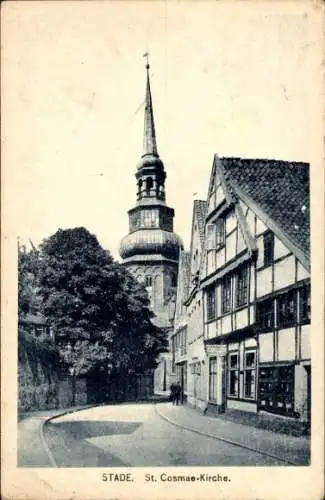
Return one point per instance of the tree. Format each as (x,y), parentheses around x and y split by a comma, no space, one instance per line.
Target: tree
(28,298)
(99,312)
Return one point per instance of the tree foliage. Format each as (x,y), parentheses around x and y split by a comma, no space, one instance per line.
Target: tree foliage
(99,312)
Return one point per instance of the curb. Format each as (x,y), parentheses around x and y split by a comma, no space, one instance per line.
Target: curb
(219,438)
(45,422)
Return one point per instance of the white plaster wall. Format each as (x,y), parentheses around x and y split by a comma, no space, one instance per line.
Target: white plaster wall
(305,342)
(242,318)
(226,324)
(220,196)
(260,252)
(250,219)
(264,282)
(211,261)
(260,226)
(252,283)
(221,260)
(302,274)
(211,330)
(231,246)
(231,222)
(250,343)
(301,391)
(241,245)
(284,272)
(252,315)
(286,344)
(266,347)
(241,405)
(218,299)
(280,250)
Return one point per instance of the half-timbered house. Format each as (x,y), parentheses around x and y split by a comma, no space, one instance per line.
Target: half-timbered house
(256,287)
(196,356)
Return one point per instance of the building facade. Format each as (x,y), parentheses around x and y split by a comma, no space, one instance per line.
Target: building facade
(255,290)
(151,249)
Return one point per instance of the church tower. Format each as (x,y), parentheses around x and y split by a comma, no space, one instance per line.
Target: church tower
(151,249)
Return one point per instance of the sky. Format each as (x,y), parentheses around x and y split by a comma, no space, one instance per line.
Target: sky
(225,81)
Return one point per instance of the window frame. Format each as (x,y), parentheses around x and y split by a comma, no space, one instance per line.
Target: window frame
(211,303)
(250,369)
(213,379)
(226,294)
(233,370)
(242,286)
(286,302)
(305,304)
(276,394)
(261,314)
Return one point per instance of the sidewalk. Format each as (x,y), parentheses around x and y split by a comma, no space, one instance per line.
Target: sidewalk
(31,451)
(295,450)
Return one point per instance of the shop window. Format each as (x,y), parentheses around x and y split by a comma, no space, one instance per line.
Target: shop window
(287,309)
(233,374)
(250,374)
(265,314)
(211,303)
(268,248)
(226,294)
(305,305)
(276,389)
(213,379)
(242,286)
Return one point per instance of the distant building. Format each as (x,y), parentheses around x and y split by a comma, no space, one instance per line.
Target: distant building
(151,249)
(254,286)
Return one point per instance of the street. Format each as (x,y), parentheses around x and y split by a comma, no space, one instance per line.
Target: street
(136,435)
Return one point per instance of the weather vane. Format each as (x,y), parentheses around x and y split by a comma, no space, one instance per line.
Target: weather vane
(146,55)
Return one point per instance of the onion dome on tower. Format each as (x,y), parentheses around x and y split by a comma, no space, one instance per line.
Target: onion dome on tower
(151,237)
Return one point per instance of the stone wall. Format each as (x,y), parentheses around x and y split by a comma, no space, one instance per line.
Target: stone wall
(41,384)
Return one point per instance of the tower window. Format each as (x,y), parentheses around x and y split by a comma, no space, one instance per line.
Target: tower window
(149,184)
(174,280)
(148,281)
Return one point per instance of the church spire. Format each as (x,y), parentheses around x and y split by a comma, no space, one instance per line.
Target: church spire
(149,133)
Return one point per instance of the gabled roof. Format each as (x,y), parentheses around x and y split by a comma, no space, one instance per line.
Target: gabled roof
(280,189)
(185,270)
(199,208)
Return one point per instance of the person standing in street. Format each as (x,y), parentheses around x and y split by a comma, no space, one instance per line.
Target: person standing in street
(172,396)
(178,392)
